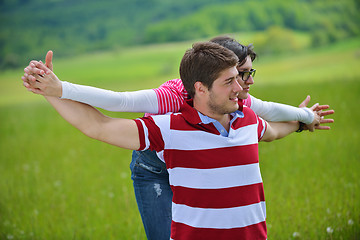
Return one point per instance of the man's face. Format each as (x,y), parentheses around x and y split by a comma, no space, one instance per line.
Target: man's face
(247,66)
(223,96)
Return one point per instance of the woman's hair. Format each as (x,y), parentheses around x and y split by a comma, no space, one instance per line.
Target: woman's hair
(240,50)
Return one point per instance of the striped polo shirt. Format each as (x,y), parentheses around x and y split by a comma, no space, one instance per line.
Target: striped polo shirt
(216,181)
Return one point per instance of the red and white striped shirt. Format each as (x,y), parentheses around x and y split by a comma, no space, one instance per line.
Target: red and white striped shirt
(216,181)
(172,94)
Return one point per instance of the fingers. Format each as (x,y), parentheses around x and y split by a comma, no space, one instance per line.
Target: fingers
(37,82)
(31,86)
(37,67)
(325,113)
(315,106)
(33,69)
(36,91)
(32,80)
(41,65)
(321,107)
(27,85)
(305,102)
(29,78)
(319,119)
(327,121)
(323,121)
(322,127)
(48,60)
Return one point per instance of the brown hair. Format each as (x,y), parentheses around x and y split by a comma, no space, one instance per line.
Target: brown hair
(203,63)
(240,50)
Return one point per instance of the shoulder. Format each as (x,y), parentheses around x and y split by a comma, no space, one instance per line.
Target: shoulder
(248,118)
(248,112)
(173,83)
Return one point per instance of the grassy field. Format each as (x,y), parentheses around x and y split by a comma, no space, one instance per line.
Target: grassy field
(57,183)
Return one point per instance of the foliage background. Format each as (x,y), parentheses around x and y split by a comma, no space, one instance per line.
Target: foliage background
(30,27)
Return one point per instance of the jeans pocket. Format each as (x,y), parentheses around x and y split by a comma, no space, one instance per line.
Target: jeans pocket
(147,165)
(153,169)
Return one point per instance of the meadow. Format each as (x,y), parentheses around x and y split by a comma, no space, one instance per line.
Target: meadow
(56,183)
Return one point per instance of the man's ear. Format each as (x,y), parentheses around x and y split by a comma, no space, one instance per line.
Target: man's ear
(200,88)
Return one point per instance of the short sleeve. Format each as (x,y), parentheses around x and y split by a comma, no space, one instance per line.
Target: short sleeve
(262,125)
(149,134)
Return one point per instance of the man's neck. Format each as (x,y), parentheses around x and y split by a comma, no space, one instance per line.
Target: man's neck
(223,119)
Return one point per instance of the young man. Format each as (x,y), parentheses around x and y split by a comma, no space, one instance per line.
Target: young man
(155,209)
(210,149)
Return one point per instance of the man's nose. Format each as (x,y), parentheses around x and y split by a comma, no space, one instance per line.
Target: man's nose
(237,87)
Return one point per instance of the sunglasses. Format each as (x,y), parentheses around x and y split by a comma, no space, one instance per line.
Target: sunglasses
(246,74)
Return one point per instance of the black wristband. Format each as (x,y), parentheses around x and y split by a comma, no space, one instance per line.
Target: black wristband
(301,127)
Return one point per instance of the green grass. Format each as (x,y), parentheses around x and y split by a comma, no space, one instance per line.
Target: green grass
(311,179)
(57,183)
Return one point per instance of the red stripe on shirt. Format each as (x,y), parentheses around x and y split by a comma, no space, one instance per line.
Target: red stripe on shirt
(219,198)
(243,122)
(229,156)
(155,137)
(182,125)
(141,134)
(181,231)
(262,126)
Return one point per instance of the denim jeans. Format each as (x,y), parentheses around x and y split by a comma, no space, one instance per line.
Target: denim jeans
(153,193)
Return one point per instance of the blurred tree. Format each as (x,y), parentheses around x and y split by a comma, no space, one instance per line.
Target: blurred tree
(73,27)
(276,40)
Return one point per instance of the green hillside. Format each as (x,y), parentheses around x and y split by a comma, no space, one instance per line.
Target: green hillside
(28,28)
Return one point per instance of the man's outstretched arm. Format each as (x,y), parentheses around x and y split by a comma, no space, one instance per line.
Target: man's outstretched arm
(115,131)
(277,130)
(119,132)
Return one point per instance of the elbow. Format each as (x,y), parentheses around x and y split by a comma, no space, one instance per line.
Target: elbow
(270,138)
(270,135)
(90,134)
(90,131)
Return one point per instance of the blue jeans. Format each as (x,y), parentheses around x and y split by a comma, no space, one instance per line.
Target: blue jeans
(153,193)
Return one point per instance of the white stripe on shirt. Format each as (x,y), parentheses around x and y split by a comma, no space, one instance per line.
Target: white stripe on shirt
(180,139)
(219,218)
(233,176)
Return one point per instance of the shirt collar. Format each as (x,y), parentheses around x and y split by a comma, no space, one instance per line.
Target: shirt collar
(206,120)
(195,117)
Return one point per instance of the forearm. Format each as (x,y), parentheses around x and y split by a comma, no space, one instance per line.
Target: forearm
(137,101)
(115,131)
(277,112)
(80,115)
(277,130)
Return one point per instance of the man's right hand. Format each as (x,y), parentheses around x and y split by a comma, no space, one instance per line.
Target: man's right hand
(43,86)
